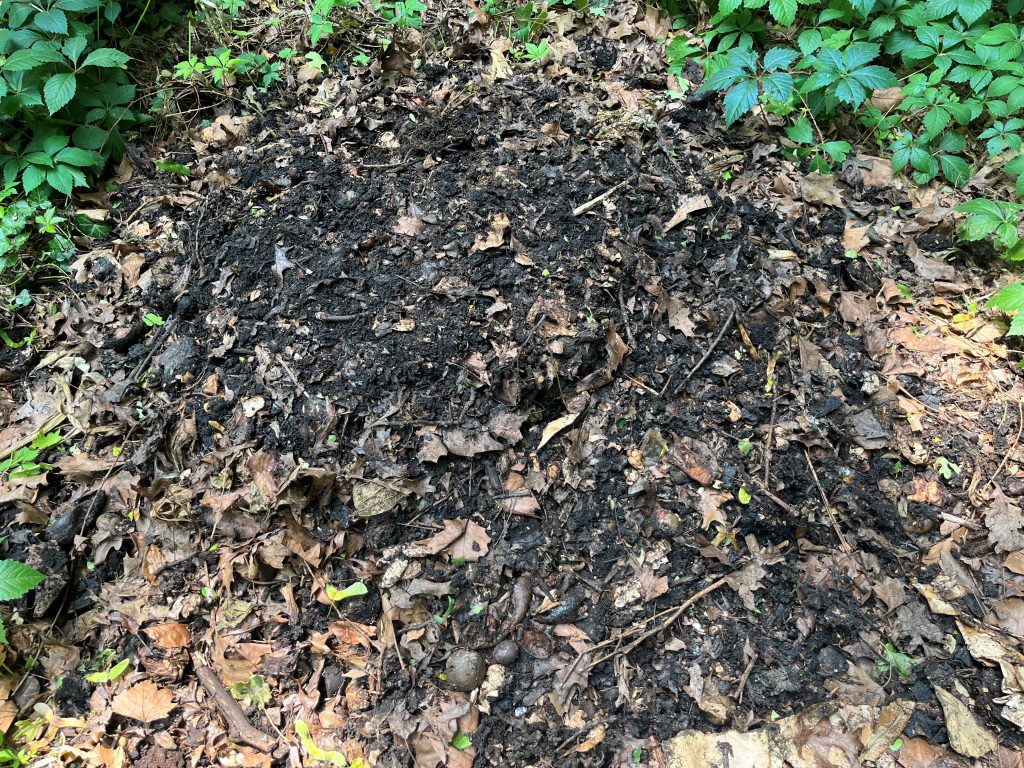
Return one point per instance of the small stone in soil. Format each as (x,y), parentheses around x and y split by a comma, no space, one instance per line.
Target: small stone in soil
(465,670)
(505,652)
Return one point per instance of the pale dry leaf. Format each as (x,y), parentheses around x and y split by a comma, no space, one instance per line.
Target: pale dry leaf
(887,99)
(519,500)
(462,442)
(855,238)
(965,735)
(495,235)
(463,539)
(710,506)
(375,498)
(688,205)
(1005,524)
(556,426)
(652,586)
(746,581)
(145,702)
(409,225)
(820,188)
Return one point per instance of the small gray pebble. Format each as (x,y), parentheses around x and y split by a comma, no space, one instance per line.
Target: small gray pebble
(465,670)
(505,652)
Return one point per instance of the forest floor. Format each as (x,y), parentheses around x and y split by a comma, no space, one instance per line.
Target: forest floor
(475,413)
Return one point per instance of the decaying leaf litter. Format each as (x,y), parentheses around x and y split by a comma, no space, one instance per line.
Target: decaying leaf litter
(509,415)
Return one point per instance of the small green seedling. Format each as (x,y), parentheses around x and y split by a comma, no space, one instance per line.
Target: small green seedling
(169,166)
(745,446)
(743,495)
(355,589)
(253,691)
(16,579)
(22,463)
(152,319)
(461,741)
(109,675)
(894,661)
(946,468)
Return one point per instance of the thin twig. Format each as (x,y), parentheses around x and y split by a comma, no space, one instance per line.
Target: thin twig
(625,319)
(769,442)
(715,343)
(828,507)
(1013,448)
(238,724)
(789,509)
(581,209)
(743,679)
(672,615)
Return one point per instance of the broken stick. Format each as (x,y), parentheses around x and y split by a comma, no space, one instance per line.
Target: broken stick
(239,726)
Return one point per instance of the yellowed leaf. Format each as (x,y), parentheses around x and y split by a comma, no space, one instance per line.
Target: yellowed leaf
(556,426)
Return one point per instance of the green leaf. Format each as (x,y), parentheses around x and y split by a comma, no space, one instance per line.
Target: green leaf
(461,741)
(849,91)
(83,158)
(874,77)
(740,99)
(778,86)
(1016,326)
(110,675)
(801,132)
(3,634)
(61,179)
(955,169)
(972,10)
(58,90)
(30,58)
(783,11)
(336,595)
(16,579)
(779,58)
(743,495)
(106,57)
(53,21)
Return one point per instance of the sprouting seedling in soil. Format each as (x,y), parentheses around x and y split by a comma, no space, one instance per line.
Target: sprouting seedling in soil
(355,589)
(22,463)
(109,675)
(946,468)
(152,319)
(442,618)
(16,579)
(745,446)
(894,661)
(743,495)
(169,166)
(252,691)
(461,741)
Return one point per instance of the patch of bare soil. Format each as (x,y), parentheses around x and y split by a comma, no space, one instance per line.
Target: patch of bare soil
(588,395)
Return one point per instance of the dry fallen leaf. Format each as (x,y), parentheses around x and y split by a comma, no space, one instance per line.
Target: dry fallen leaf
(145,702)
(495,235)
(556,426)
(965,735)
(409,225)
(464,540)
(372,498)
(1005,524)
(462,442)
(171,635)
(687,206)
(710,505)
